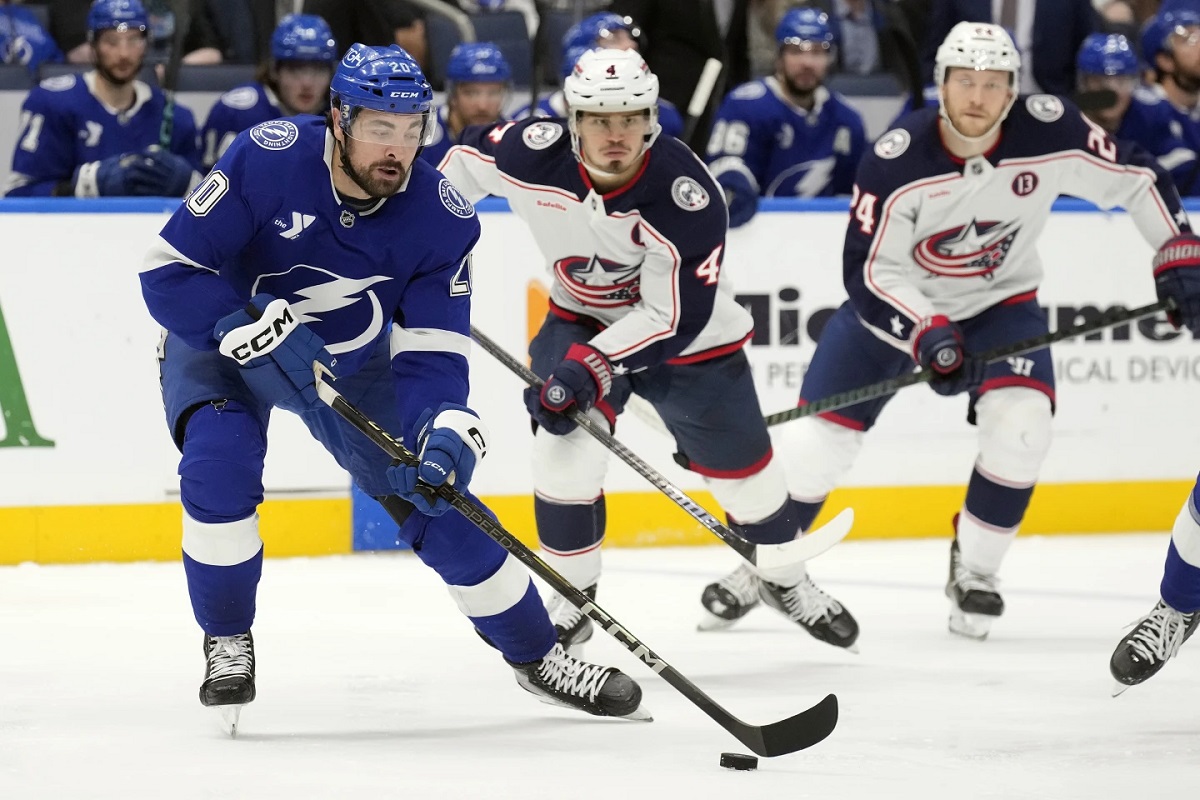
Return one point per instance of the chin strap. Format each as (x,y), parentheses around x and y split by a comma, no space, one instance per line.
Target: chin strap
(983,136)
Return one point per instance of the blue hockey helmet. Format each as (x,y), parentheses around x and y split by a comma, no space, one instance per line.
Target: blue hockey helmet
(303,37)
(122,15)
(1106,54)
(593,30)
(1158,29)
(478,61)
(381,79)
(800,25)
(570,57)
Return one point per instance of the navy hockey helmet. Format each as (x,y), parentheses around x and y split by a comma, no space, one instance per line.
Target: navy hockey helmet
(592,31)
(303,37)
(803,25)
(1107,54)
(123,15)
(478,61)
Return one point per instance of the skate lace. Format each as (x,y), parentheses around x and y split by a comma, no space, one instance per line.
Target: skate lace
(968,581)
(742,583)
(1160,633)
(562,613)
(229,656)
(572,676)
(807,603)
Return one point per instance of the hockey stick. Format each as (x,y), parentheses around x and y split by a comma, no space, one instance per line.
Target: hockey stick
(775,739)
(1114,316)
(701,96)
(183,20)
(767,556)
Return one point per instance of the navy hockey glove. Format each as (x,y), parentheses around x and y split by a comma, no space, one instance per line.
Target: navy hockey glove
(449,446)
(938,346)
(275,351)
(582,378)
(1177,277)
(160,173)
(109,177)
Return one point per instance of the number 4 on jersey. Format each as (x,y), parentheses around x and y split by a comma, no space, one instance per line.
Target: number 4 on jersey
(710,269)
(862,206)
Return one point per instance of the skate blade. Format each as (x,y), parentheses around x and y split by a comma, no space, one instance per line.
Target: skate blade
(639,714)
(970,626)
(1119,688)
(711,622)
(229,717)
(851,649)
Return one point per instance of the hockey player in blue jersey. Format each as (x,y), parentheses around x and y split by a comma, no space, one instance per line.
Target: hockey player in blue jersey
(97,134)
(941,263)
(294,81)
(328,240)
(786,135)
(633,230)
(23,40)
(1107,61)
(478,83)
(608,30)
(1171,46)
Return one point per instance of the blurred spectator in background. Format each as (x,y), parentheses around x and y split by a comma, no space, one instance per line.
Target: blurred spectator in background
(680,36)
(375,22)
(858,23)
(554,104)
(1107,61)
(100,133)
(1047,32)
(294,80)
(1171,46)
(526,7)
(787,135)
(23,40)
(69,27)
(478,81)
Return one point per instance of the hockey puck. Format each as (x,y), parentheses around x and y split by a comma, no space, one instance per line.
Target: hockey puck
(738,761)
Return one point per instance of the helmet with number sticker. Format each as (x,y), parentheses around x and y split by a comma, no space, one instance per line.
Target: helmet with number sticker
(122,15)
(977,46)
(303,37)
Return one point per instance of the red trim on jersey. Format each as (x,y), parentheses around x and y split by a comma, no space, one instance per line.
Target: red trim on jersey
(675,312)
(712,352)
(570,316)
(1023,297)
(1017,380)
(587,178)
(960,161)
(733,474)
(568,553)
(836,418)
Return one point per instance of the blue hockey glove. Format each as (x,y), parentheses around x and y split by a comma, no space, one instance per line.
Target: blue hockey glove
(742,207)
(938,346)
(275,351)
(449,445)
(1177,277)
(109,177)
(160,173)
(582,378)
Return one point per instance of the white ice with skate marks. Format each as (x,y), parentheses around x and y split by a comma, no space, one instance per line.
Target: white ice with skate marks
(372,685)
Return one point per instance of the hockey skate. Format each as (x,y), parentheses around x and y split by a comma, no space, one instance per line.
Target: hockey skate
(571,625)
(729,599)
(560,679)
(974,602)
(1154,639)
(228,676)
(807,605)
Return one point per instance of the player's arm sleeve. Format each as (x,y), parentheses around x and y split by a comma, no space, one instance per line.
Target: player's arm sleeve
(678,287)
(184,279)
(472,165)
(739,148)
(1120,174)
(43,163)
(431,338)
(876,257)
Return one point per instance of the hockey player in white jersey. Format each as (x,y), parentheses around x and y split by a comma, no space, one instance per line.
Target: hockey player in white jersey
(633,230)
(940,263)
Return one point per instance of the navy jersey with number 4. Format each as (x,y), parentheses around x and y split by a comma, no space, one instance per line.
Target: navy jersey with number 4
(64,125)
(265,221)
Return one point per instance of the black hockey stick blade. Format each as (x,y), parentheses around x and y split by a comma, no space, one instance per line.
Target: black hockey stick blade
(1114,316)
(778,738)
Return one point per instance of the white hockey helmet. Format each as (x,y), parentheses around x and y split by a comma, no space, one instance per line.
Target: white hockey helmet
(607,80)
(978,46)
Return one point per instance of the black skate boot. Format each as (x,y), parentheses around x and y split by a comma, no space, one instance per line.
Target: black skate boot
(561,679)
(572,627)
(812,609)
(974,602)
(1154,639)
(729,599)
(228,676)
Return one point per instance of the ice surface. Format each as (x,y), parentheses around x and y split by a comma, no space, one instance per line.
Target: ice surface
(372,686)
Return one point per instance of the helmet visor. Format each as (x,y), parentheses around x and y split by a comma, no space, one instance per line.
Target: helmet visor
(377,128)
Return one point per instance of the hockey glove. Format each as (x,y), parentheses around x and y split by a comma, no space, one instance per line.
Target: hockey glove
(938,346)
(449,445)
(275,351)
(160,173)
(109,177)
(742,207)
(582,378)
(1177,277)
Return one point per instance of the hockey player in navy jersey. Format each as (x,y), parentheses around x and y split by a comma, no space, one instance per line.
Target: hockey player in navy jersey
(940,263)
(786,135)
(633,230)
(97,134)
(603,29)
(306,240)
(479,80)
(294,81)
(1107,61)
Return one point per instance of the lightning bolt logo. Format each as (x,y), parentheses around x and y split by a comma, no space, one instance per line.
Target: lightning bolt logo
(337,293)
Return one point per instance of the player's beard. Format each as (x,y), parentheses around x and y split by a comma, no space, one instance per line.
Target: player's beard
(1187,81)
(127,75)
(802,90)
(366,180)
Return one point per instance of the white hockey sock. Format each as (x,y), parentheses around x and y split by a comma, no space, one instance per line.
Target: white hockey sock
(981,546)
